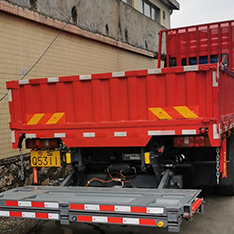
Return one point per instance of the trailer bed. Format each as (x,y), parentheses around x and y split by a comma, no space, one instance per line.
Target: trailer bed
(146,207)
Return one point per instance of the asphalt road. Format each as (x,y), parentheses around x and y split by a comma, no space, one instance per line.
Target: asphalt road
(218,218)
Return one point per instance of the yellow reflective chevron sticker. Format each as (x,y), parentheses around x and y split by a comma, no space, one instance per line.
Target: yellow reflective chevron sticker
(55,118)
(160,113)
(185,112)
(35,119)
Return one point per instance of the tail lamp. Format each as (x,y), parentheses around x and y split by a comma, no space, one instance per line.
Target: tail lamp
(197,141)
(42,143)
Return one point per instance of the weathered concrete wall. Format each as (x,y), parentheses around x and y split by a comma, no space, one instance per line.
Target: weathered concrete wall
(111,18)
(10,173)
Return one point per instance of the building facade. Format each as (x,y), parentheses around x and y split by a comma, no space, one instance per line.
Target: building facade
(59,38)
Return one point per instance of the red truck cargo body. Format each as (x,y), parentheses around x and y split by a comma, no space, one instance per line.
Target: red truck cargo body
(124,108)
(201,44)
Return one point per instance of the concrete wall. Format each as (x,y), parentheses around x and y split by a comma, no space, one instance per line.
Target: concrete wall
(111,18)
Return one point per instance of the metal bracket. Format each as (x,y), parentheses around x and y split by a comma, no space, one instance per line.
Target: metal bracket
(64,213)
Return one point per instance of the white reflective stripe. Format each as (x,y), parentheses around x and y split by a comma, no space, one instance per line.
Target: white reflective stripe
(53,79)
(123,208)
(24,203)
(118,74)
(191,68)
(53,216)
(51,204)
(215,132)
(60,135)
(99,219)
(161,133)
(215,83)
(4,213)
(154,71)
(189,132)
(28,214)
(155,210)
(13,136)
(89,134)
(85,77)
(120,134)
(130,221)
(22,82)
(218,70)
(91,207)
(30,135)
(9,95)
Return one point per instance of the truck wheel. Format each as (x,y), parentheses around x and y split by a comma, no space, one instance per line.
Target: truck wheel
(226,187)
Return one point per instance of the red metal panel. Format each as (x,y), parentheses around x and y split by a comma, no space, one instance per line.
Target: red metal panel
(123,111)
(200,40)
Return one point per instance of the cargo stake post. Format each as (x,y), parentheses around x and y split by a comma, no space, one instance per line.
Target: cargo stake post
(141,136)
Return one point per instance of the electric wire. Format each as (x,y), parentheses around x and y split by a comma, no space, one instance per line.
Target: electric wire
(46,50)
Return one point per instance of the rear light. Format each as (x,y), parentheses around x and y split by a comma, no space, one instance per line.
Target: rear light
(179,142)
(198,141)
(42,143)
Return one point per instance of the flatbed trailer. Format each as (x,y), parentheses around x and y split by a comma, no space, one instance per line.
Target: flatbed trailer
(122,206)
(154,138)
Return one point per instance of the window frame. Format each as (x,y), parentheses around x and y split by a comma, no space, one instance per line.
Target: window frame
(153,7)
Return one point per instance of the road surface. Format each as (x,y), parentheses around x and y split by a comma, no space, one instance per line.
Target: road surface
(218,218)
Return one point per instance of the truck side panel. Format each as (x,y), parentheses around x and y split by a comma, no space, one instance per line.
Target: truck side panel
(119,109)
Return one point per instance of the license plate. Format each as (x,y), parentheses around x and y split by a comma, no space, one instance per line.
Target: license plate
(45,158)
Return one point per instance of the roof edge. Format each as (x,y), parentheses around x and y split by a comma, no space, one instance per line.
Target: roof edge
(173,4)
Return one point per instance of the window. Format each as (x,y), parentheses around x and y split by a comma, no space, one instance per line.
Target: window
(149,9)
(204,60)
(129,2)
(164,15)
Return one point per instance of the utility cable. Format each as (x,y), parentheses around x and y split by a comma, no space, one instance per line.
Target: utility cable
(46,50)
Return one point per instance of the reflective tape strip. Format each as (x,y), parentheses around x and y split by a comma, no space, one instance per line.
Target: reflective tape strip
(28,215)
(30,135)
(9,95)
(91,207)
(215,83)
(123,208)
(13,136)
(32,204)
(22,82)
(53,79)
(51,205)
(55,118)
(118,74)
(19,214)
(185,112)
(53,216)
(189,132)
(191,68)
(35,119)
(46,118)
(131,221)
(24,203)
(161,133)
(85,77)
(128,209)
(160,113)
(120,134)
(89,134)
(4,213)
(116,220)
(60,135)
(154,71)
(216,135)
(99,219)
(155,210)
